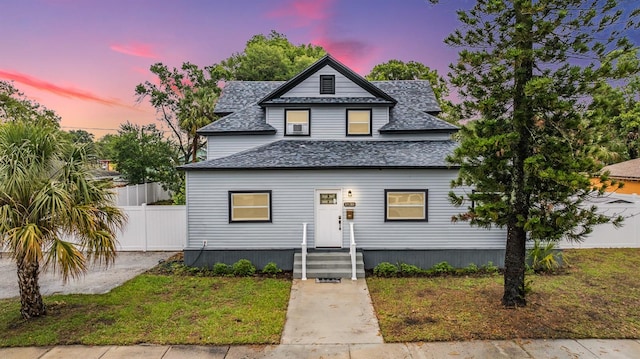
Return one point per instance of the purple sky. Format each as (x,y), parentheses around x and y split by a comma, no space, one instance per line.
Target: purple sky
(83,59)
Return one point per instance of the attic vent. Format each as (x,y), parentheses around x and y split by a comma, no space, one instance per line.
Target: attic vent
(327,84)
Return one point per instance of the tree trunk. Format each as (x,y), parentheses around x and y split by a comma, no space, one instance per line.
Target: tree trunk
(195,148)
(31,304)
(514,268)
(514,294)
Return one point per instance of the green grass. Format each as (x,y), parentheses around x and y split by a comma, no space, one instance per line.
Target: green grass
(157,309)
(598,296)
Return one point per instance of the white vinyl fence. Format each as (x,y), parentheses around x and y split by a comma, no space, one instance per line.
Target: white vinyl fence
(136,195)
(154,228)
(607,235)
(151,228)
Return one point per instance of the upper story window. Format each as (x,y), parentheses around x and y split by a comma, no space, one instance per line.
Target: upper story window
(297,122)
(359,122)
(327,84)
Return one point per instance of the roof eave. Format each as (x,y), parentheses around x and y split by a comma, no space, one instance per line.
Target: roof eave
(372,104)
(435,130)
(231,133)
(441,167)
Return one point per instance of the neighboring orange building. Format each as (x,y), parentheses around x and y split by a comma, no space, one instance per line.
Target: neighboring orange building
(627,172)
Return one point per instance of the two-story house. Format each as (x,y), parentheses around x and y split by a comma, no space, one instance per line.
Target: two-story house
(338,153)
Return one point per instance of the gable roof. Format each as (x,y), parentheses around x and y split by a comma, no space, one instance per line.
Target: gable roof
(327,60)
(240,103)
(313,154)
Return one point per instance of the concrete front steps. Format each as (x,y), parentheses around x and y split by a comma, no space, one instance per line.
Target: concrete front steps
(328,265)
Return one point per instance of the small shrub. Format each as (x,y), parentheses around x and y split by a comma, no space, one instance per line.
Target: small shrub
(528,286)
(385,269)
(443,268)
(544,257)
(179,269)
(220,269)
(243,268)
(472,268)
(409,270)
(271,268)
(490,268)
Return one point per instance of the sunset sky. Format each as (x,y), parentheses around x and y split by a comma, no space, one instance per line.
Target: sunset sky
(83,58)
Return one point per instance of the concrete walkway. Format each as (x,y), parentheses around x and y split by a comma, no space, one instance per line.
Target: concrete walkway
(536,349)
(330,313)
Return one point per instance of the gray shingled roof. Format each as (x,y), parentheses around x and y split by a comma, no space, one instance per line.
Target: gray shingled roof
(237,95)
(416,94)
(312,154)
(404,118)
(248,119)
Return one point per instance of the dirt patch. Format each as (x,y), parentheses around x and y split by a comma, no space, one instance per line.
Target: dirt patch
(590,299)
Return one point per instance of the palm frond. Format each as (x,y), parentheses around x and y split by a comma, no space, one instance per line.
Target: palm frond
(66,259)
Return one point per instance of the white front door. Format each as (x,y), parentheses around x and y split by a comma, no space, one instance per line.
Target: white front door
(328,231)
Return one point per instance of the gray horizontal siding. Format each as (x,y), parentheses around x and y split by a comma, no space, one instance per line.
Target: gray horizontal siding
(223,146)
(310,87)
(329,123)
(292,198)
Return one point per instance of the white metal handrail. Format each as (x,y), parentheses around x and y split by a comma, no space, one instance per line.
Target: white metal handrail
(352,252)
(304,251)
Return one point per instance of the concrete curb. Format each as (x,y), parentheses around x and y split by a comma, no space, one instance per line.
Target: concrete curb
(482,349)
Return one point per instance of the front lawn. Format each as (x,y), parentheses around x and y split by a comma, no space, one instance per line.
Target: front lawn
(598,296)
(157,309)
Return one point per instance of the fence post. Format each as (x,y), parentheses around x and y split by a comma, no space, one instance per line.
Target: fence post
(144,220)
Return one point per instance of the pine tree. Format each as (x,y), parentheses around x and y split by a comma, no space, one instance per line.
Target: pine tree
(525,71)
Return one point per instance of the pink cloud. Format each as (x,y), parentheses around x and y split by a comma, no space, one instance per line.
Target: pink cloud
(348,51)
(317,15)
(303,11)
(68,92)
(135,49)
(141,70)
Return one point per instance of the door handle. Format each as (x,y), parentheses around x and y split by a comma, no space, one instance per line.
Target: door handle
(339,223)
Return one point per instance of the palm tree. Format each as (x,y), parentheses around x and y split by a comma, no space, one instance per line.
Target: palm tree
(197,111)
(52,214)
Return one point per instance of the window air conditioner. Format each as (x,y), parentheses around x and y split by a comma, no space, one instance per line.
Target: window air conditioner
(297,129)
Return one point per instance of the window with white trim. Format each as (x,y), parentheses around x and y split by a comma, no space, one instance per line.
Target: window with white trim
(405,205)
(249,206)
(297,122)
(359,122)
